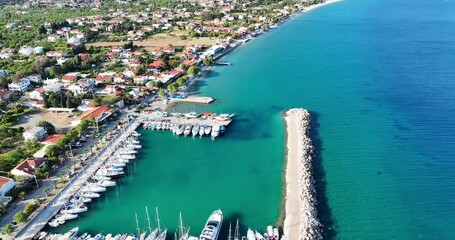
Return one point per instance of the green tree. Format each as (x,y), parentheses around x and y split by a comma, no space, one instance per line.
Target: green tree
(7,229)
(30,207)
(182,80)
(208,61)
(173,87)
(20,217)
(21,194)
(161,92)
(193,70)
(50,129)
(46,191)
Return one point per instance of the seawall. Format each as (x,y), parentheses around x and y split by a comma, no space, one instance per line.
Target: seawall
(301,221)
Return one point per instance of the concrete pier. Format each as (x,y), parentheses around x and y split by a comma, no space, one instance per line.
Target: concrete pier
(301,221)
(193,99)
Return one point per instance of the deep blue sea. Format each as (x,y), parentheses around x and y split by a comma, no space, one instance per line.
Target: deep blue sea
(379,79)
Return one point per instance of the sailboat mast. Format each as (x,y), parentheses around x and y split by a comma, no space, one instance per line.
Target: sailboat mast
(158,220)
(236,233)
(230,236)
(181,225)
(148,219)
(137,226)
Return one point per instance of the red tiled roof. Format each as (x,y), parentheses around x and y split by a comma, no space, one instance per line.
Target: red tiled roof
(3,181)
(53,138)
(4,92)
(69,77)
(29,165)
(103,78)
(157,64)
(96,112)
(175,72)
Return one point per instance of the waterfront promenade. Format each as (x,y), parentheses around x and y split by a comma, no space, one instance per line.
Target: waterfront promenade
(51,209)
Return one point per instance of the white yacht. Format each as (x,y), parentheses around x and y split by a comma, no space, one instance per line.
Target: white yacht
(74,209)
(207,129)
(250,235)
(213,226)
(93,187)
(195,130)
(201,130)
(215,131)
(106,183)
(187,130)
(89,194)
(259,236)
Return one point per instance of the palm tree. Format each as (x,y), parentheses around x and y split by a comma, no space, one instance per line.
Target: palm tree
(46,191)
(54,183)
(37,199)
(67,168)
(60,175)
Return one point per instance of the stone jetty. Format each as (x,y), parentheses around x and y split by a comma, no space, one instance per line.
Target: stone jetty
(301,221)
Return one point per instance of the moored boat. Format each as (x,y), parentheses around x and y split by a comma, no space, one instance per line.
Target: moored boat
(212,226)
(207,129)
(195,130)
(187,130)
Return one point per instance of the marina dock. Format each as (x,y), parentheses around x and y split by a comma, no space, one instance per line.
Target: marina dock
(194,124)
(55,205)
(193,99)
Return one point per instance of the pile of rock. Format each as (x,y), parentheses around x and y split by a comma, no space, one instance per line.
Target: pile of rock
(310,227)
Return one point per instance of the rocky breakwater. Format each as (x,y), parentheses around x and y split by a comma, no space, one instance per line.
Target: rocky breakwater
(301,221)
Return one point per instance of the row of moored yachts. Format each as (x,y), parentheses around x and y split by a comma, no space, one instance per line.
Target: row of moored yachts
(186,129)
(72,235)
(104,178)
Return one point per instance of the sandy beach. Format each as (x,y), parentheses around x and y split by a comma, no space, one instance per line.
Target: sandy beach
(300,205)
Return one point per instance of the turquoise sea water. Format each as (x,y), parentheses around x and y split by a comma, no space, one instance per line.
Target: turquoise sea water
(379,79)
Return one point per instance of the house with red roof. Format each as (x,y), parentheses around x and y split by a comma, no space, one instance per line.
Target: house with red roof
(69,78)
(103,79)
(28,166)
(84,57)
(169,49)
(4,94)
(158,64)
(157,52)
(6,184)
(100,114)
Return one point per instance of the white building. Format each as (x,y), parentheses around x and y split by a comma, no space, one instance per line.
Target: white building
(19,86)
(34,133)
(26,51)
(34,78)
(6,184)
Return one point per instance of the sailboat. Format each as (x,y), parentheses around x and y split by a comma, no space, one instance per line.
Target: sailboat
(183,233)
(162,235)
(237,231)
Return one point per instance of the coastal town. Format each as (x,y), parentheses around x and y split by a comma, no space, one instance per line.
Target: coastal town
(76,83)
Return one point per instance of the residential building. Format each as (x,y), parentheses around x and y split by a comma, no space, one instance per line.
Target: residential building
(6,184)
(34,78)
(19,86)
(34,133)
(4,94)
(28,166)
(37,94)
(100,114)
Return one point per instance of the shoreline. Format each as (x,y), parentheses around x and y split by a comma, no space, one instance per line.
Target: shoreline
(300,213)
(207,69)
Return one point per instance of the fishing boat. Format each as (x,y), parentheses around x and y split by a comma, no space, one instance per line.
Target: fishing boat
(207,129)
(187,130)
(250,235)
(201,130)
(212,226)
(215,131)
(195,130)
